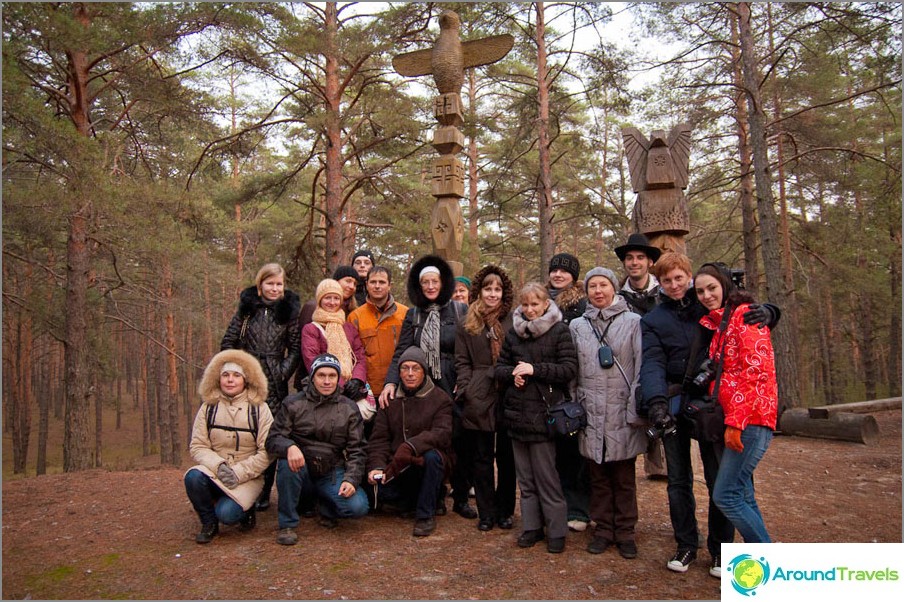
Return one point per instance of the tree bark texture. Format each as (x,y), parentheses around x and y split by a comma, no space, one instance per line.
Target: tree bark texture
(333,169)
(859,428)
(547,231)
(784,335)
(473,209)
(748,202)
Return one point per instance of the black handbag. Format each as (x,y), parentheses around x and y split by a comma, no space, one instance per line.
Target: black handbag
(565,418)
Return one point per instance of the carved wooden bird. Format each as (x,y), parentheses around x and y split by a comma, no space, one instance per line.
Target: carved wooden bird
(659,162)
(449,57)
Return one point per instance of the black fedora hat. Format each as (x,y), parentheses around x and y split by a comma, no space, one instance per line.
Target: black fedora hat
(638,242)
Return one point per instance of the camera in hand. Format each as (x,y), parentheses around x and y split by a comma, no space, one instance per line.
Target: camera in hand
(706,373)
(662,423)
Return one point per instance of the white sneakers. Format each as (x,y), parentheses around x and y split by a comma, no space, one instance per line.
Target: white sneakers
(577,525)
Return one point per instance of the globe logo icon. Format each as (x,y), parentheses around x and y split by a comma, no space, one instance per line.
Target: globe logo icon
(748,573)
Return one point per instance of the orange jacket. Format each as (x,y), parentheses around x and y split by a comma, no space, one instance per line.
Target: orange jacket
(379,332)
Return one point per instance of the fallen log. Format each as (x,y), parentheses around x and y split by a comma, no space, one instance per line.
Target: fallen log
(844,426)
(858,407)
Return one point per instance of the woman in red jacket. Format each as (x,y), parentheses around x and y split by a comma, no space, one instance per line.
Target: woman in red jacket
(748,393)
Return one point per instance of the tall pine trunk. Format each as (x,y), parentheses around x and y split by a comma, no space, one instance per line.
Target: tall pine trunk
(547,231)
(784,336)
(333,175)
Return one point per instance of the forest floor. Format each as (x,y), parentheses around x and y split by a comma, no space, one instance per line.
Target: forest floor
(130,534)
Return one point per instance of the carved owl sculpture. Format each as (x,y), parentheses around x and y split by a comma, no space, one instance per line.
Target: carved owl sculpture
(659,169)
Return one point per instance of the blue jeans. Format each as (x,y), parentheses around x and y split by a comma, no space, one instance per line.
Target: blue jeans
(292,486)
(733,492)
(418,485)
(209,501)
(682,504)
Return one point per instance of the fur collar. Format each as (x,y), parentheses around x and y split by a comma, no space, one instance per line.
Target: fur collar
(532,329)
(284,310)
(255,380)
(569,297)
(416,295)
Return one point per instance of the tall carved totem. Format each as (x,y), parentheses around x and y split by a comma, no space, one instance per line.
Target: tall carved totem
(659,169)
(446,61)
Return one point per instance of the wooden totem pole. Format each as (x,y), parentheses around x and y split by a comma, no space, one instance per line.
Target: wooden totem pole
(659,170)
(446,61)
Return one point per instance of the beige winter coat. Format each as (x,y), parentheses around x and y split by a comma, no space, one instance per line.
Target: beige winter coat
(246,455)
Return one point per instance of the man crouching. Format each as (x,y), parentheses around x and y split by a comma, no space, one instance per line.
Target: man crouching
(318,438)
(408,454)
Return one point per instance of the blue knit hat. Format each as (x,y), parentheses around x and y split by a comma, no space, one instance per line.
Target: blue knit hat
(325,360)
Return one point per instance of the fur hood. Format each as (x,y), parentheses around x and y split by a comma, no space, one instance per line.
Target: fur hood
(416,295)
(567,297)
(284,310)
(508,290)
(255,381)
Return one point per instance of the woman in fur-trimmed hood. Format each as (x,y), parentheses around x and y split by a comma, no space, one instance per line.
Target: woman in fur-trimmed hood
(228,442)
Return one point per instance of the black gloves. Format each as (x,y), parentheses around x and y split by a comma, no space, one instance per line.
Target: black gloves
(764,314)
(355,389)
(658,412)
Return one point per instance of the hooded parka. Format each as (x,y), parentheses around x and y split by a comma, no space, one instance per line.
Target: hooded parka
(244,453)
(450,313)
(613,428)
(272,334)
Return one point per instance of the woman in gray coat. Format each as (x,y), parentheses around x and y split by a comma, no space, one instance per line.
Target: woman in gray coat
(614,436)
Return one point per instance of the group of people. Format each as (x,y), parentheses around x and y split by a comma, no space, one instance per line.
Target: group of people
(393,402)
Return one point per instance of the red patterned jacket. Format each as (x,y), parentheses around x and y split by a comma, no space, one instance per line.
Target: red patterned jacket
(748,391)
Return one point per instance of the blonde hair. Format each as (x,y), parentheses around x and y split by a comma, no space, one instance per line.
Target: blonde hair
(533,288)
(268,270)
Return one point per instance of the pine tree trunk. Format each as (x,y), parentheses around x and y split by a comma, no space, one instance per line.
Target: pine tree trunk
(333,160)
(547,231)
(748,202)
(473,208)
(784,336)
(97,399)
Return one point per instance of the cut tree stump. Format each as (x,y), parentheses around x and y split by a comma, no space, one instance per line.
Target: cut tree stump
(844,426)
(858,407)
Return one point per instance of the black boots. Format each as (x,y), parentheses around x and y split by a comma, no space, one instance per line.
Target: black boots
(208,532)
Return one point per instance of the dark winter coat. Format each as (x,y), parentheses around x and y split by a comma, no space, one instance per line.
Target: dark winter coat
(451,313)
(476,390)
(328,430)
(423,419)
(668,334)
(271,334)
(546,344)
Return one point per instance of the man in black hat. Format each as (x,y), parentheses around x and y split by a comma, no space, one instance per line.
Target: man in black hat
(641,291)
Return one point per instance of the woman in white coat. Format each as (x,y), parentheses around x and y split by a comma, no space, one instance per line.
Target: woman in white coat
(228,443)
(608,342)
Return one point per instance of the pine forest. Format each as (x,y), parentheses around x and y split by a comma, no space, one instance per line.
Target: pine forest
(155,155)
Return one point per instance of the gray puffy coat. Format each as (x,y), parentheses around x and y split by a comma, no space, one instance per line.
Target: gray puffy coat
(614,431)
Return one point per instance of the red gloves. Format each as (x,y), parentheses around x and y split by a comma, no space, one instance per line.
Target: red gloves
(733,439)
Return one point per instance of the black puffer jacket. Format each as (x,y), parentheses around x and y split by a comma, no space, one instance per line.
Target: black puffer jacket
(328,430)
(272,335)
(451,313)
(546,344)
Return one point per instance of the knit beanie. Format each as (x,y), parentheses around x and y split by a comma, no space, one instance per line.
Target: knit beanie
(605,273)
(363,253)
(414,354)
(325,360)
(567,262)
(232,367)
(464,280)
(327,285)
(344,271)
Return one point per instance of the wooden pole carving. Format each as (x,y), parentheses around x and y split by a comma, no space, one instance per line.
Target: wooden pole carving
(659,169)
(446,61)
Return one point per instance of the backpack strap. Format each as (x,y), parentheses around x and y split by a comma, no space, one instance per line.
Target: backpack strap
(252,421)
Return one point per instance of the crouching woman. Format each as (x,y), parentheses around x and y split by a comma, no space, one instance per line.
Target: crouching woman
(228,443)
